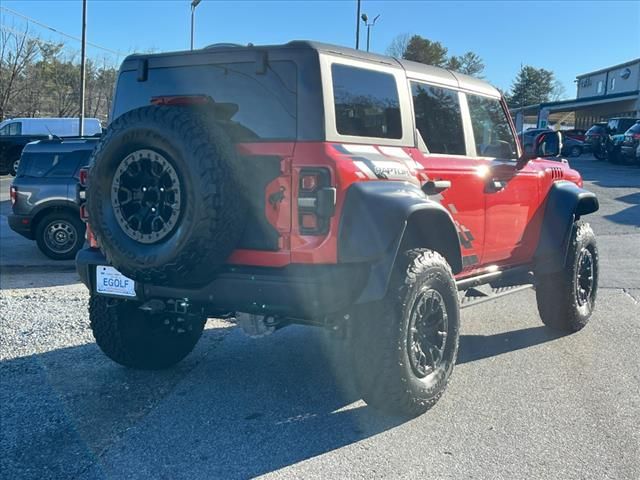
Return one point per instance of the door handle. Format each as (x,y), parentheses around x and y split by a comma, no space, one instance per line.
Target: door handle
(433,187)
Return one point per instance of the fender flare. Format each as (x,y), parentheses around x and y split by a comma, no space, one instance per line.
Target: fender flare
(45,208)
(566,203)
(380,217)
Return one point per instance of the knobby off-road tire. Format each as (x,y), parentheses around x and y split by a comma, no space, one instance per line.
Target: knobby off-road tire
(566,299)
(165,197)
(137,339)
(392,374)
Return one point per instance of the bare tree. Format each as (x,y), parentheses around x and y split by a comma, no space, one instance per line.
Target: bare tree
(17,52)
(398,45)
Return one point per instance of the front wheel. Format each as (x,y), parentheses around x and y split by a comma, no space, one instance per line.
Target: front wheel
(566,299)
(405,346)
(141,340)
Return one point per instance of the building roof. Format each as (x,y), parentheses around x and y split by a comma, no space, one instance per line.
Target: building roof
(614,67)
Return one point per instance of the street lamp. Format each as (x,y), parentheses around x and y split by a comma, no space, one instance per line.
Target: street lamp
(365,19)
(194,4)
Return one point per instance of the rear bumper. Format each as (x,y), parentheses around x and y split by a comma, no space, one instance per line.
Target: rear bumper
(305,291)
(21,224)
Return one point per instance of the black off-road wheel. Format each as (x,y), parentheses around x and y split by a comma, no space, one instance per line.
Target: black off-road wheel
(405,347)
(165,197)
(566,299)
(141,340)
(59,235)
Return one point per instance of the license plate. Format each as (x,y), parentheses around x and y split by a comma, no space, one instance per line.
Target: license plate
(110,281)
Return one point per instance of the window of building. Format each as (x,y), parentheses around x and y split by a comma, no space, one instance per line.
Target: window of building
(491,130)
(366,102)
(600,87)
(438,118)
(613,83)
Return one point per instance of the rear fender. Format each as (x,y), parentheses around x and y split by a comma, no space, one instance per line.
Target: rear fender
(380,219)
(566,203)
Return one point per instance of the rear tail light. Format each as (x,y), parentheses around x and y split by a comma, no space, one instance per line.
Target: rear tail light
(636,136)
(91,239)
(83,212)
(13,194)
(83,176)
(316,201)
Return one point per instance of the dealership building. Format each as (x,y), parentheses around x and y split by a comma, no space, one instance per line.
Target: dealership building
(602,94)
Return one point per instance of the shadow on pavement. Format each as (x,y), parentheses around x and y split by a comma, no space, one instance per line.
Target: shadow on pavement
(628,216)
(233,409)
(478,347)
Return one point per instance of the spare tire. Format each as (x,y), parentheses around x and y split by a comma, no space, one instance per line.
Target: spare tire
(164,195)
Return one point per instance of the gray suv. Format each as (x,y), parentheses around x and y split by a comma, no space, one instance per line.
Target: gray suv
(43,195)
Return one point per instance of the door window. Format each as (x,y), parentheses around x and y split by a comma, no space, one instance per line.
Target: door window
(438,118)
(366,102)
(491,129)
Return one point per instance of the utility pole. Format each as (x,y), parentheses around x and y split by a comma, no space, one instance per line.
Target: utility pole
(194,4)
(358,26)
(83,66)
(365,19)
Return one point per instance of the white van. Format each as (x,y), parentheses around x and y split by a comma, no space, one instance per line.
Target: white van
(62,127)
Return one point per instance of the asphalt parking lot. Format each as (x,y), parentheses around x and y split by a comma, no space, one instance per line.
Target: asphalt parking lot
(524,402)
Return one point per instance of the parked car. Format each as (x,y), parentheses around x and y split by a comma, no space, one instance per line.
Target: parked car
(616,128)
(570,146)
(393,188)
(43,195)
(576,133)
(15,133)
(595,140)
(631,145)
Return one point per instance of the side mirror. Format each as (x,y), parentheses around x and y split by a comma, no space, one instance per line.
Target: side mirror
(546,145)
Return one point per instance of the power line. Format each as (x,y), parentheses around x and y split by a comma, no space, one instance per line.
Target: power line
(48,27)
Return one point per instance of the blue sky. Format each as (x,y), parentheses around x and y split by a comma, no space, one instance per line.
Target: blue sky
(568,37)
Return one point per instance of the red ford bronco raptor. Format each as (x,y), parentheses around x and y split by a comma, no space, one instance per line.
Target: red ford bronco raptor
(312,184)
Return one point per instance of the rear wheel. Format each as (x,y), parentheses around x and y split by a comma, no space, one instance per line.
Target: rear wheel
(566,299)
(138,339)
(14,167)
(405,347)
(59,235)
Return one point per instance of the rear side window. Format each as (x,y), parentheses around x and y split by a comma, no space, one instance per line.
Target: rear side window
(366,102)
(438,118)
(491,129)
(251,106)
(45,164)
(14,128)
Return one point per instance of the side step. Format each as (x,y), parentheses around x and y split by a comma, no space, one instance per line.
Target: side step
(475,295)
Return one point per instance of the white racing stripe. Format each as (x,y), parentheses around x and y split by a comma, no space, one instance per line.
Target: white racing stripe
(360,148)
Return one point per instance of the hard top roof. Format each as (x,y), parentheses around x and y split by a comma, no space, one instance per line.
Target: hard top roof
(64,144)
(415,70)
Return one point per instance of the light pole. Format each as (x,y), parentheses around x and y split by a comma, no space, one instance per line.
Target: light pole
(358,26)
(194,4)
(365,19)
(83,66)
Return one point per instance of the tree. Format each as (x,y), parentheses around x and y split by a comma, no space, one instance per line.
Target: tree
(531,86)
(17,51)
(425,51)
(468,63)
(398,45)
